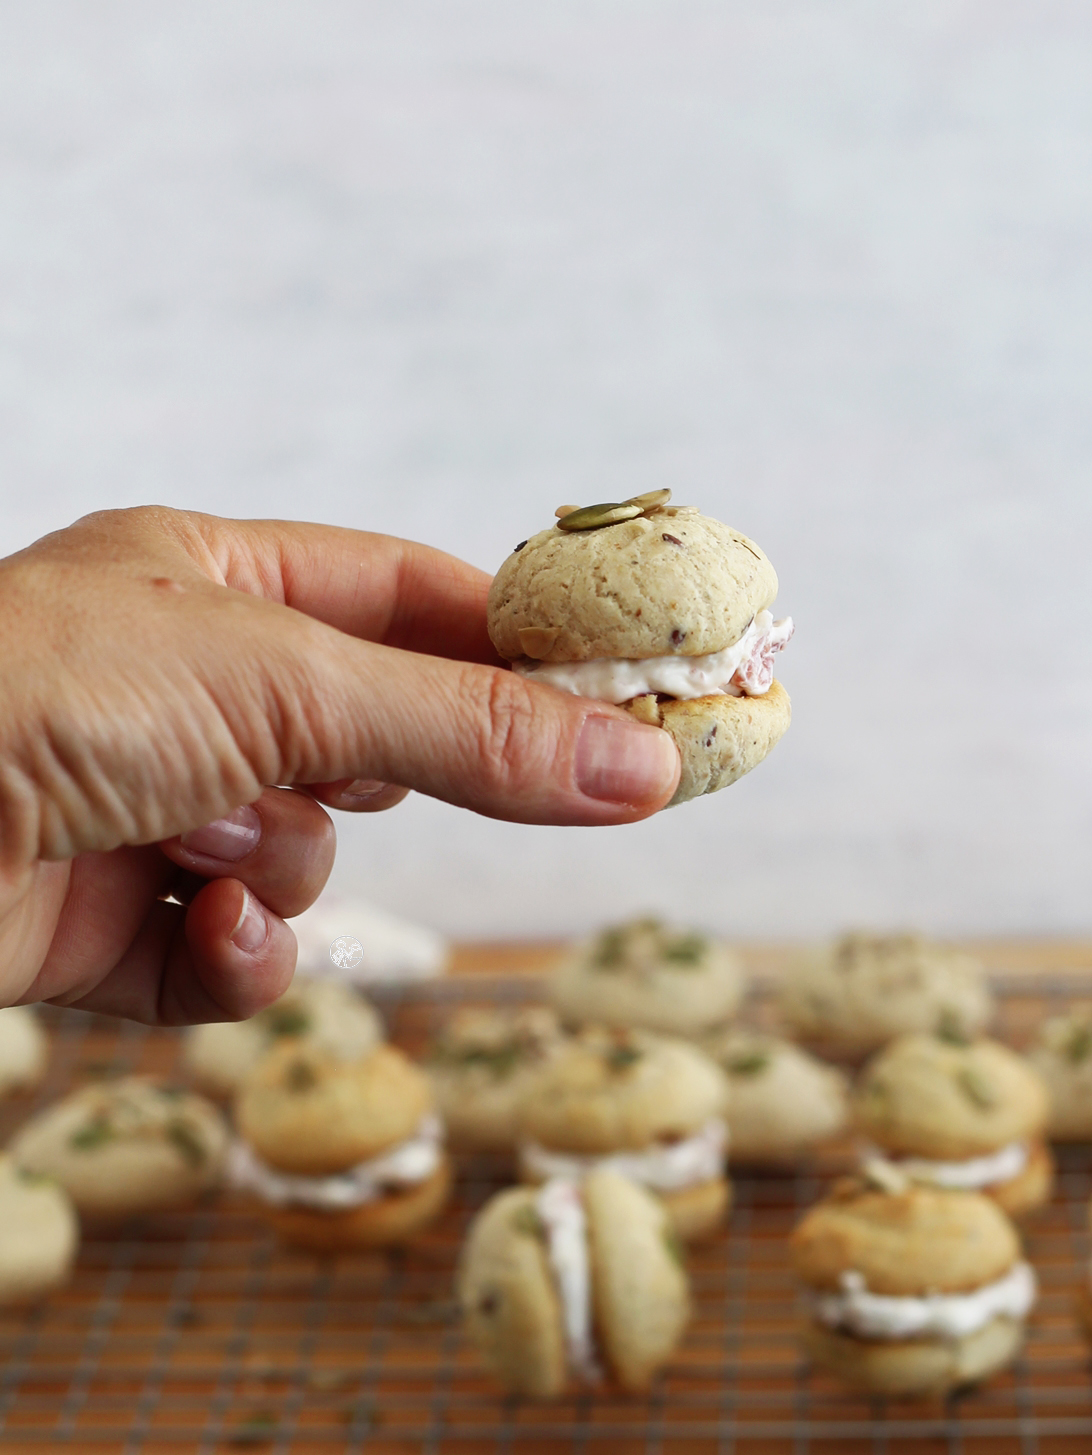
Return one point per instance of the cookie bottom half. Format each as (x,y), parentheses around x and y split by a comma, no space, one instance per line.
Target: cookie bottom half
(914,1369)
(719,738)
(1030,1189)
(698,1212)
(388,1221)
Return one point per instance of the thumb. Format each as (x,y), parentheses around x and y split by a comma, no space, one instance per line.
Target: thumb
(481,737)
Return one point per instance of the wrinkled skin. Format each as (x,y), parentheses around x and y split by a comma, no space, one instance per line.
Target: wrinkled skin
(160,670)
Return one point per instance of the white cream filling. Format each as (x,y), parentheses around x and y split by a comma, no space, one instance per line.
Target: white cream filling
(866,1315)
(665,1166)
(976,1172)
(561,1209)
(404,1165)
(743,669)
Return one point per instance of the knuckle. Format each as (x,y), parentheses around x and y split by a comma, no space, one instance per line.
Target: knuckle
(513,733)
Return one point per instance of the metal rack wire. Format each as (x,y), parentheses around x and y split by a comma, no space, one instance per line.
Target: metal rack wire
(196,1332)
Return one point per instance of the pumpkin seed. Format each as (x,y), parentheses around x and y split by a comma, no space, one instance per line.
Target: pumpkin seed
(1079,1044)
(686,950)
(611,949)
(674,1248)
(621,1058)
(287,1020)
(188,1142)
(748,1063)
(527,1221)
(94,1134)
(650,500)
(594,517)
(976,1087)
(950,1028)
(565,510)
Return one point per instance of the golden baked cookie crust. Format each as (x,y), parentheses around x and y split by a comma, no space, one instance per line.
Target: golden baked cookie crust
(719,738)
(915,1369)
(305,1111)
(904,1244)
(676,582)
(612,1092)
(927,1097)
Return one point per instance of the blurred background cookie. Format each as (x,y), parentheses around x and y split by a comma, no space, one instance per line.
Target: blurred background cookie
(650,1107)
(24,1049)
(479,1067)
(912,1292)
(959,1114)
(569,1283)
(39,1235)
(650,975)
(120,1148)
(325,1013)
(783,1102)
(855,995)
(341,1154)
(1062,1055)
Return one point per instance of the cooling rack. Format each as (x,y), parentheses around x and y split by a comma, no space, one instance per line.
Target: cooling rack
(197,1333)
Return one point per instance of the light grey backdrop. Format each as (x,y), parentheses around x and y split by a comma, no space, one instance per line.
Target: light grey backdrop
(432,268)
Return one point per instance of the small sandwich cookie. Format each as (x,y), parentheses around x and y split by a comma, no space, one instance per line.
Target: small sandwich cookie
(649,1107)
(39,1234)
(343,1154)
(324,1013)
(783,1102)
(649,975)
(479,1068)
(572,1283)
(914,1291)
(1062,1055)
(959,1114)
(854,996)
(127,1147)
(24,1049)
(662,610)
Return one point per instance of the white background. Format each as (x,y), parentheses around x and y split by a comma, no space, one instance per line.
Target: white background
(431,268)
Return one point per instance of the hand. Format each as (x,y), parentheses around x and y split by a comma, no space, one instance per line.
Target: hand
(160,671)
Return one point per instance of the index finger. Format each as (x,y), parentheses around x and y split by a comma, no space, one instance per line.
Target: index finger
(377,587)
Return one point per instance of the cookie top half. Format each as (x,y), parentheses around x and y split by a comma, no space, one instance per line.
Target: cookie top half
(325,1013)
(925,1096)
(306,1111)
(782,1100)
(126,1142)
(864,989)
(618,1091)
(904,1244)
(646,973)
(671,582)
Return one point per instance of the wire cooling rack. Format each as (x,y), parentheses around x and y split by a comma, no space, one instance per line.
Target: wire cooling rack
(196,1332)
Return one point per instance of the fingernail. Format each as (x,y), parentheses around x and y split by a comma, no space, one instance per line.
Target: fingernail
(363,788)
(621,762)
(252,926)
(230,838)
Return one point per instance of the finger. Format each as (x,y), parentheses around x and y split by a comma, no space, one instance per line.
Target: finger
(476,736)
(224,958)
(358,795)
(281,847)
(372,586)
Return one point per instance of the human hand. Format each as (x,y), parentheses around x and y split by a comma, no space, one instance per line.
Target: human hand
(161,670)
